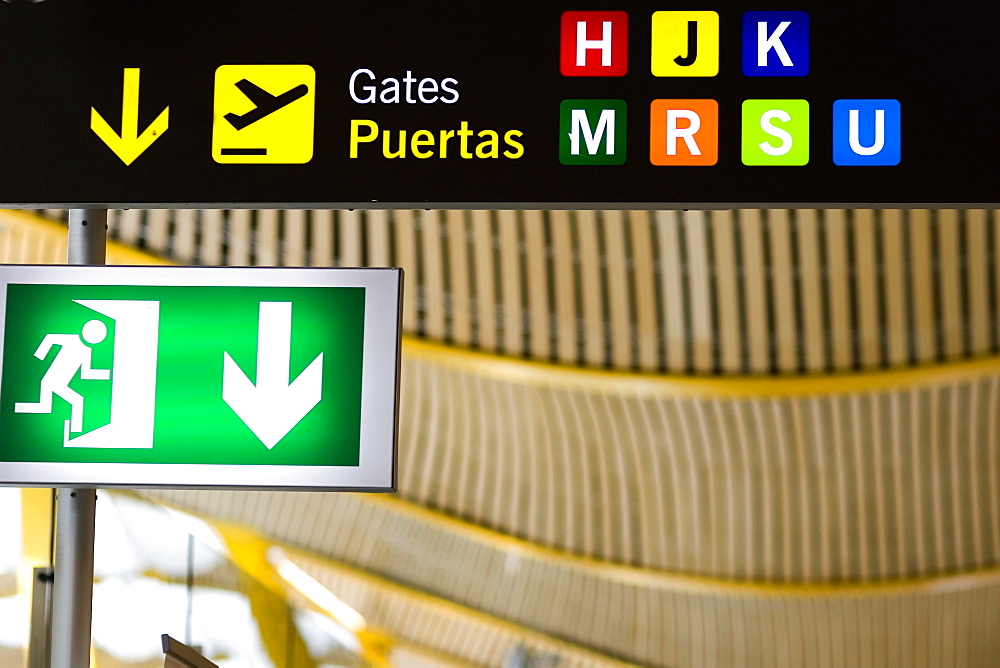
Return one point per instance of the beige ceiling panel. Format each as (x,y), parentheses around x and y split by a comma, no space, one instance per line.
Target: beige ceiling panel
(743,291)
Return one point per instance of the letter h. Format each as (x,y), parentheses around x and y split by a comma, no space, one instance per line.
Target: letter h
(593,44)
(583,44)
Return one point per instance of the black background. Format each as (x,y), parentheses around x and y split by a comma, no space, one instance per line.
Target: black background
(60,57)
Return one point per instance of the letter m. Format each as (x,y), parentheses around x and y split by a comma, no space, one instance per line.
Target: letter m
(592,132)
(592,137)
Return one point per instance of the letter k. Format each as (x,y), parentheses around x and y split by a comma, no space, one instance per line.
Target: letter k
(767,42)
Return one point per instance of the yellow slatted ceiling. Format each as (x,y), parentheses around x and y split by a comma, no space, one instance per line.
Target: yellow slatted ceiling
(860,485)
(634,615)
(721,292)
(864,485)
(773,518)
(422,620)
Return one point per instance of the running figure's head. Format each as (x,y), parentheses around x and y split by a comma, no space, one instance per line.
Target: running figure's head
(94,332)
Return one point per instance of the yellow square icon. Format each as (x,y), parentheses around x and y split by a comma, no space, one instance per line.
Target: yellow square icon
(685,44)
(264,114)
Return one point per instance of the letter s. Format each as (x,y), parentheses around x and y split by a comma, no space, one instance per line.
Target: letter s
(510,137)
(445,87)
(783,135)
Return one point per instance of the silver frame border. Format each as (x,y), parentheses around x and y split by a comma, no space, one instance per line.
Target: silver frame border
(377,469)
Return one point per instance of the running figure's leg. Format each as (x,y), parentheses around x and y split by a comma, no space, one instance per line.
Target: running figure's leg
(75,401)
(44,404)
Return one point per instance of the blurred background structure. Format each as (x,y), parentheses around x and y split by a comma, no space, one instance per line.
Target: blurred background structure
(666,438)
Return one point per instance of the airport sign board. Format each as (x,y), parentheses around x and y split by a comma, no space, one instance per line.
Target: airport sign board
(199,377)
(308,104)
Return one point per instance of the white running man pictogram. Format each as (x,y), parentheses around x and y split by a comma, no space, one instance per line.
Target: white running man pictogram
(74,355)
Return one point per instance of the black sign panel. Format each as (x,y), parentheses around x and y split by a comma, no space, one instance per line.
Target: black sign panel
(312,103)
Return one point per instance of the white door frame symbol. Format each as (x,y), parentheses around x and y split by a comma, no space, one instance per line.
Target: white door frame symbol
(133,375)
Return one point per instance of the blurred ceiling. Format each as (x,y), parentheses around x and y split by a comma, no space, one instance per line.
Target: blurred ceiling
(663,438)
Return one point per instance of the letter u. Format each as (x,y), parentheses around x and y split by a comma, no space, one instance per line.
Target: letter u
(853,132)
(387,151)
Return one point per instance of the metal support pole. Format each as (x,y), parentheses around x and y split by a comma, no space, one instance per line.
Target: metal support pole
(88,236)
(39,640)
(73,588)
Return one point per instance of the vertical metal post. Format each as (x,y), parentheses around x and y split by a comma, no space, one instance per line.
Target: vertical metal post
(88,236)
(190,591)
(73,588)
(40,640)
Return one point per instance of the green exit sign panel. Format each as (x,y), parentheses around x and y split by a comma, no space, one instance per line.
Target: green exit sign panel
(173,377)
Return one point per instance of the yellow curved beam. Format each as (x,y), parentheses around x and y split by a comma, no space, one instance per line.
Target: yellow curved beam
(605,381)
(642,577)
(267,591)
(249,551)
(622,574)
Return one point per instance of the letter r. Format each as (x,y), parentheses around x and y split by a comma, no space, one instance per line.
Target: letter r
(684,132)
(692,124)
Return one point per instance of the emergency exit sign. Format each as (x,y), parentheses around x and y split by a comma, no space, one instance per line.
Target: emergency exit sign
(173,377)
(306,103)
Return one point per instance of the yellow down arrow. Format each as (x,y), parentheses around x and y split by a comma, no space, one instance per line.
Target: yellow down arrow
(130,144)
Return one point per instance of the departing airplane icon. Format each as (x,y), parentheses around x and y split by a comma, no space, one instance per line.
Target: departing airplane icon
(264,114)
(266,103)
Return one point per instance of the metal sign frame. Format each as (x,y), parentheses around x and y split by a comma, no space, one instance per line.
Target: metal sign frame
(379,392)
